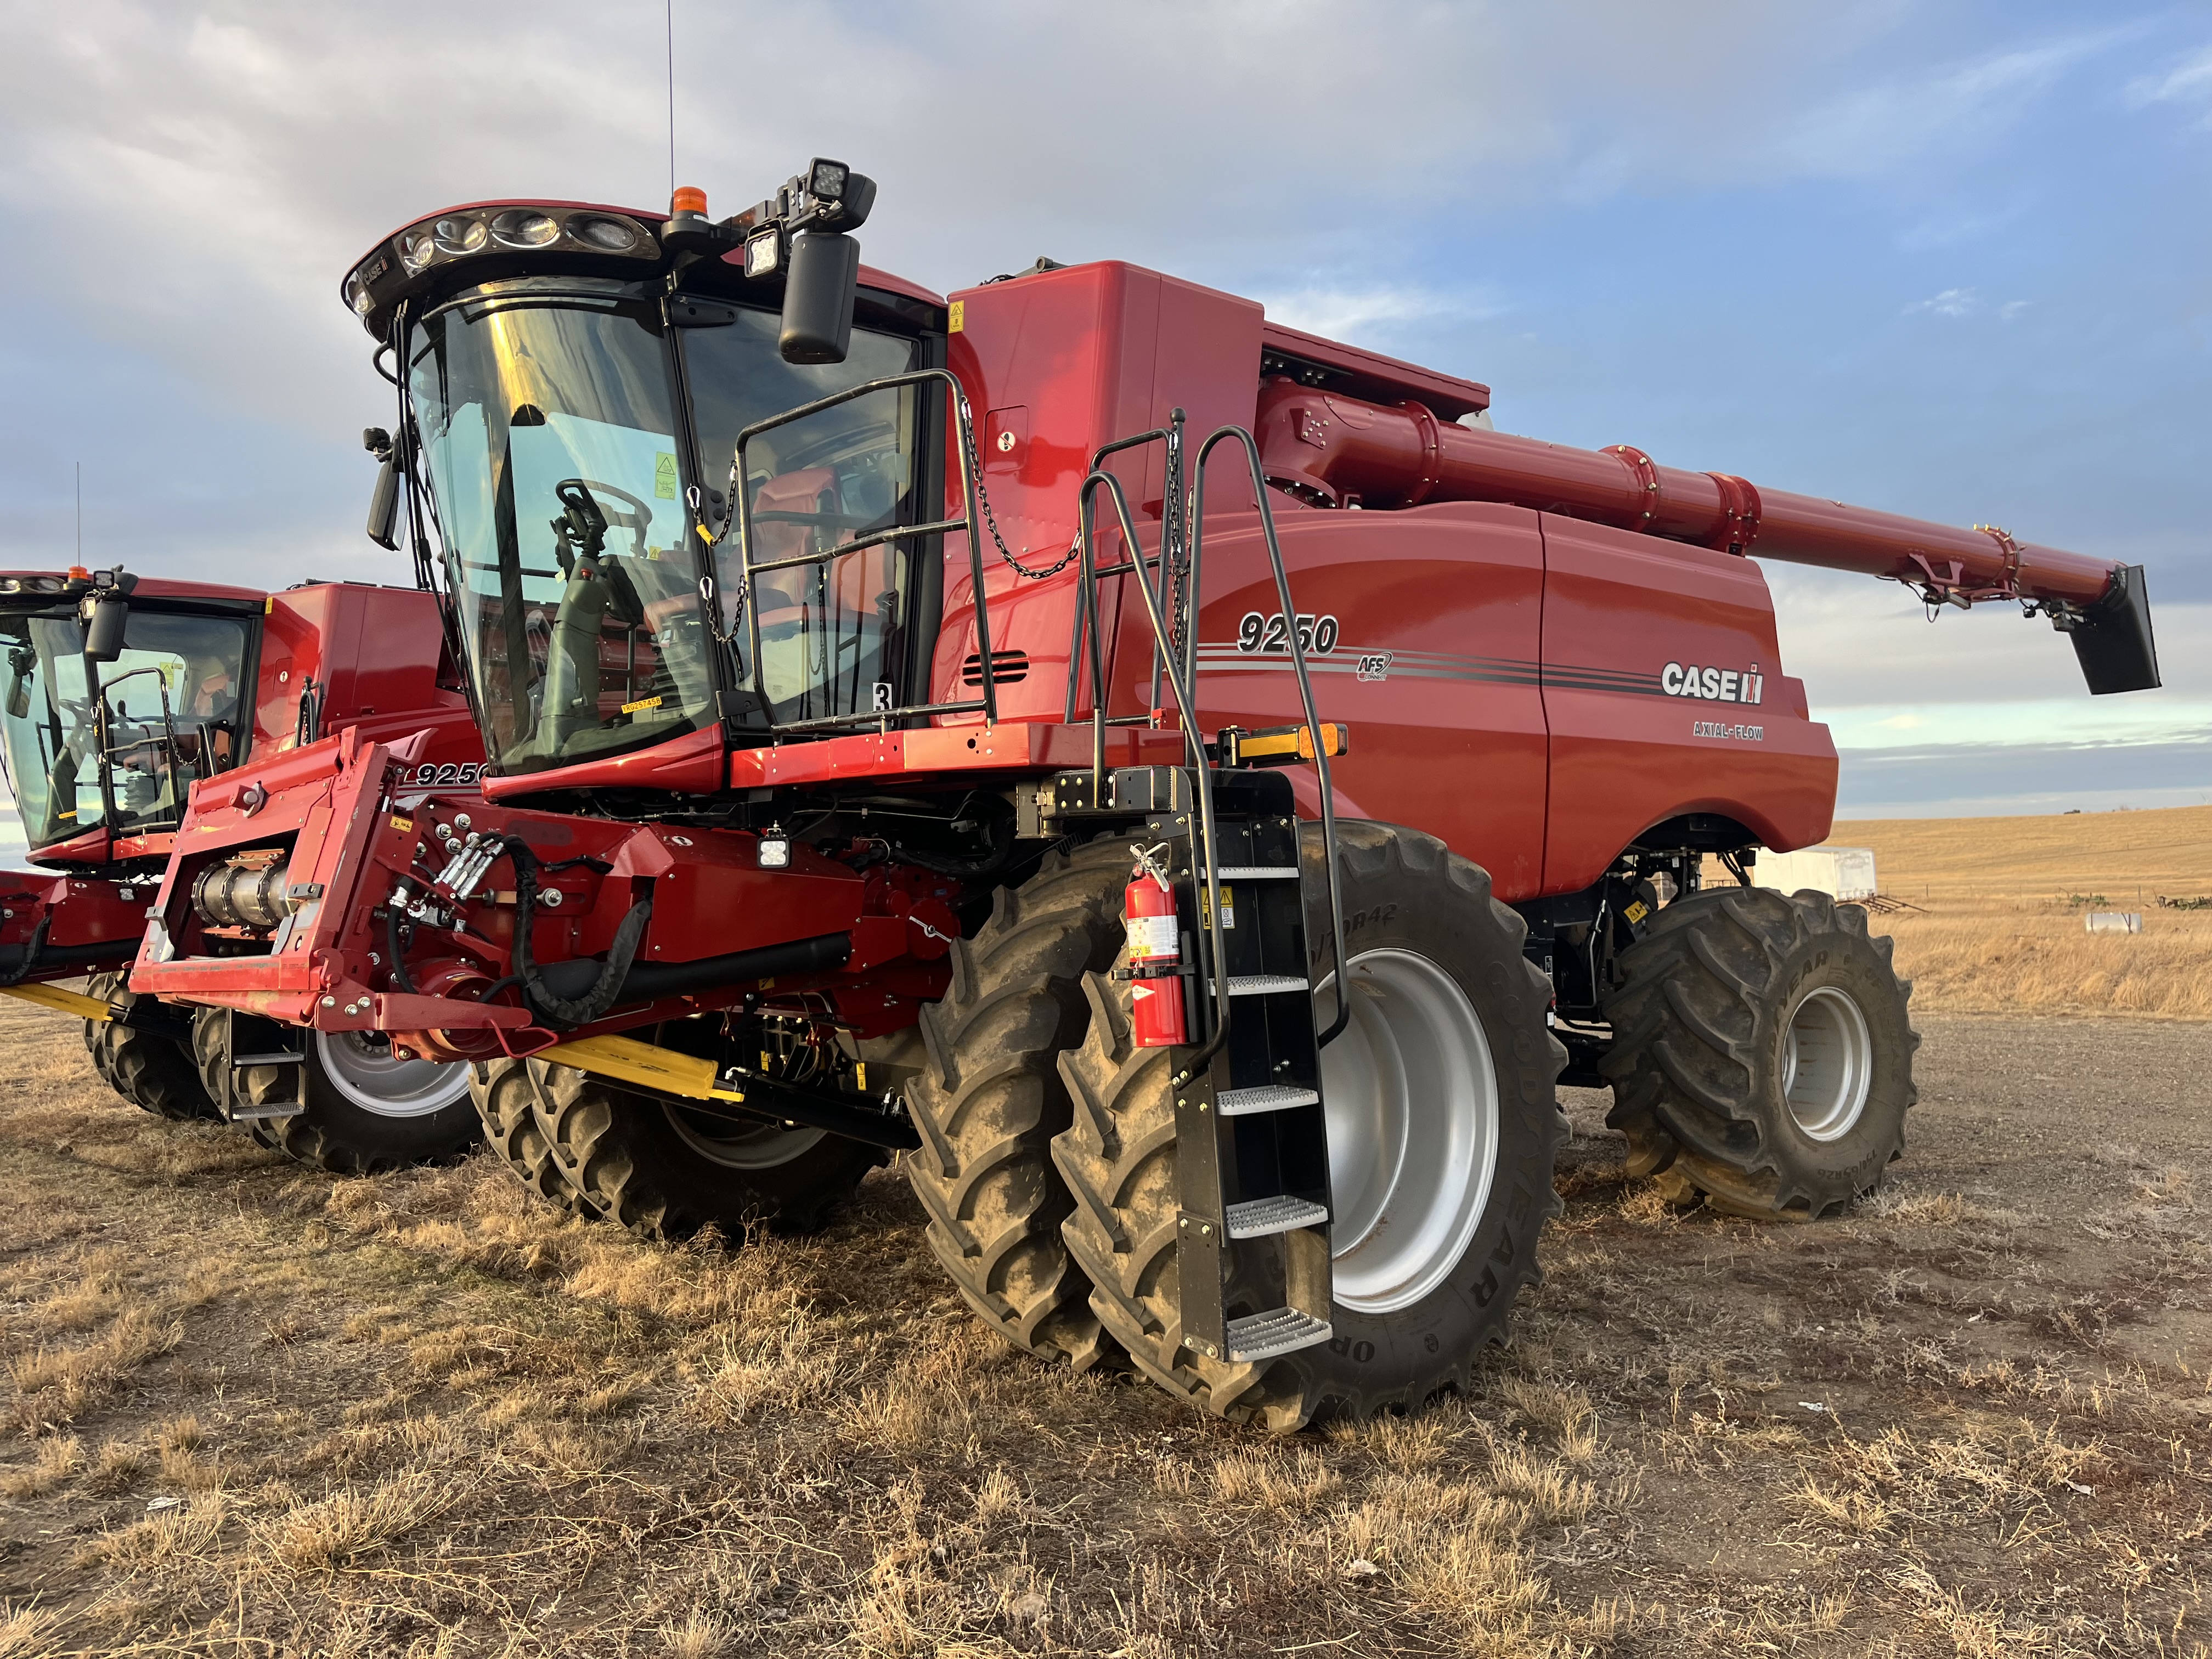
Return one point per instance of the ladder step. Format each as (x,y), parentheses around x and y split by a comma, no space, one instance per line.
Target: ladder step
(1256,1217)
(1268,1097)
(1261,873)
(239,1062)
(265,1114)
(1264,985)
(1262,1336)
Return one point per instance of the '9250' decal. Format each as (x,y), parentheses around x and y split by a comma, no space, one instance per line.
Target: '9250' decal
(1257,633)
(433,774)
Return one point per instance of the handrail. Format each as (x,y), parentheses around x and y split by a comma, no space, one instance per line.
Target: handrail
(1305,682)
(1193,743)
(741,519)
(1182,675)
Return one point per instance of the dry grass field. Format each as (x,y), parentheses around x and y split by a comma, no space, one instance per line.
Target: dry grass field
(2000,927)
(253,1411)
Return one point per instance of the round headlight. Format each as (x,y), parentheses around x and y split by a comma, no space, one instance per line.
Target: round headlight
(611,235)
(357,296)
(10,585)
(46,584)
(460,235)
(415,248)
(521,227)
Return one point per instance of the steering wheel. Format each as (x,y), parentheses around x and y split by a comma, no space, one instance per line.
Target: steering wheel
(582,525)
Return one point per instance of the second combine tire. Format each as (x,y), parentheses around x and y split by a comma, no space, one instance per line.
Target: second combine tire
(990,1098)
(366,1110)
(1762,1052)
(1442,1127)
(152,1072)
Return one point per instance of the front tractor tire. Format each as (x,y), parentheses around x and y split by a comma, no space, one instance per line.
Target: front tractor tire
(1444,1126)
(154,1072)
(990,1098)
(1762,1052)
(667,1168)
(366,1110)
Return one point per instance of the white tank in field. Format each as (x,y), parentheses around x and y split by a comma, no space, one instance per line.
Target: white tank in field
(1844,872)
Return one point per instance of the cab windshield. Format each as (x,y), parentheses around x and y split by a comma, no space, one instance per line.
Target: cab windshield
(559,474)
(116,744)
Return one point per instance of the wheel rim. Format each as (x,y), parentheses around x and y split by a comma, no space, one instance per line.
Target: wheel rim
(739,1145)
(1827,1063)
(360,1066)
(1411,1098)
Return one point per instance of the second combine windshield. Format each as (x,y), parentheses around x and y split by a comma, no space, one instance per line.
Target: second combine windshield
(558,471)
(172,716)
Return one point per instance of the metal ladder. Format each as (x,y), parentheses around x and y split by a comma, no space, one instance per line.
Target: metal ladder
(1253,1226)
(244,1101)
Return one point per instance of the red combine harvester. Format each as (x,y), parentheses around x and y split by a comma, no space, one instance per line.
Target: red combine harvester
(861,777)
(124,694)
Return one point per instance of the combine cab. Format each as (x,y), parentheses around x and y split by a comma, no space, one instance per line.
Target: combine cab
(1181,780)
(123,695)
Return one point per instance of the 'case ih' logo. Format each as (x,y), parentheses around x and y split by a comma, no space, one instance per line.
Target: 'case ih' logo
(1712,685)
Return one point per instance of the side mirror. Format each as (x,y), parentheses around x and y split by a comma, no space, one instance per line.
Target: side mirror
(19,696)
(818,297)
(384,500)
(105,621)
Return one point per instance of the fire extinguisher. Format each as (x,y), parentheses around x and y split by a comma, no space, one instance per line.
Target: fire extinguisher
(1155,1013)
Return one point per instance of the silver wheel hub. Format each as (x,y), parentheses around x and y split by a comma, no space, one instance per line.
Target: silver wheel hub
(1411,1096)
(1827,1063)
(737,1145)
(361,1067)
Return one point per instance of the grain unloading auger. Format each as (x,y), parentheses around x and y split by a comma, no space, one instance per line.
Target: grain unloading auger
(122,695)
(1203,884)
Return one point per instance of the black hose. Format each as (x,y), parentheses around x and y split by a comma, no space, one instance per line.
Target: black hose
(649,981)
(30,954)
(606,982)
(397,948)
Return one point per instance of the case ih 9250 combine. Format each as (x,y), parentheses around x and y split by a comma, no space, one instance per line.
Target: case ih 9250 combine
(121,692)
(820,732)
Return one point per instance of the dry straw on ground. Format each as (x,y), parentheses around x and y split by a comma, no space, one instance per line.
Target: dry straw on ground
(255,1411)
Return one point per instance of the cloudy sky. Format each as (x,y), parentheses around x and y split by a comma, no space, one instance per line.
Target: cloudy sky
(1950,257)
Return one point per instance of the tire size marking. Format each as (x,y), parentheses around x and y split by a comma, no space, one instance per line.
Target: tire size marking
(1316,635)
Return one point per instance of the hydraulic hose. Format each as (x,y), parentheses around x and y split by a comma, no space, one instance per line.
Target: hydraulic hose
(606,982)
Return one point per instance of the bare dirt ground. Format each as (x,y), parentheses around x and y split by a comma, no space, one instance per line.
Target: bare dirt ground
(251,1410)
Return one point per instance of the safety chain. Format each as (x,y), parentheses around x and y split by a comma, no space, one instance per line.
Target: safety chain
(991,521)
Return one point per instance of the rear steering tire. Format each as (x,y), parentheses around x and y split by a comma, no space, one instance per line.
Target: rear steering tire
(666,1168)
(1762,1052)
(1442,1127)
(506,1094)
(156,1073)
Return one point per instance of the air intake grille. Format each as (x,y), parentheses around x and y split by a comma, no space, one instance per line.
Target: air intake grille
(1007,668)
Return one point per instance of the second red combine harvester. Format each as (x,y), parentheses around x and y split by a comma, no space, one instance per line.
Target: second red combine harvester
(867,774)
(124,693)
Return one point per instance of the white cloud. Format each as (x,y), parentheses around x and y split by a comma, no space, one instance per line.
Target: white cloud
(1367,314)
(1951,302)
(2012,308)
(2190,81)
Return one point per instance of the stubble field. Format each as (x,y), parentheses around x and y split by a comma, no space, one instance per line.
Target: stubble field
(1997,923)
(254,1410)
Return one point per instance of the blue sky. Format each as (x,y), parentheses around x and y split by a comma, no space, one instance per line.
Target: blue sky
(1950,259)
